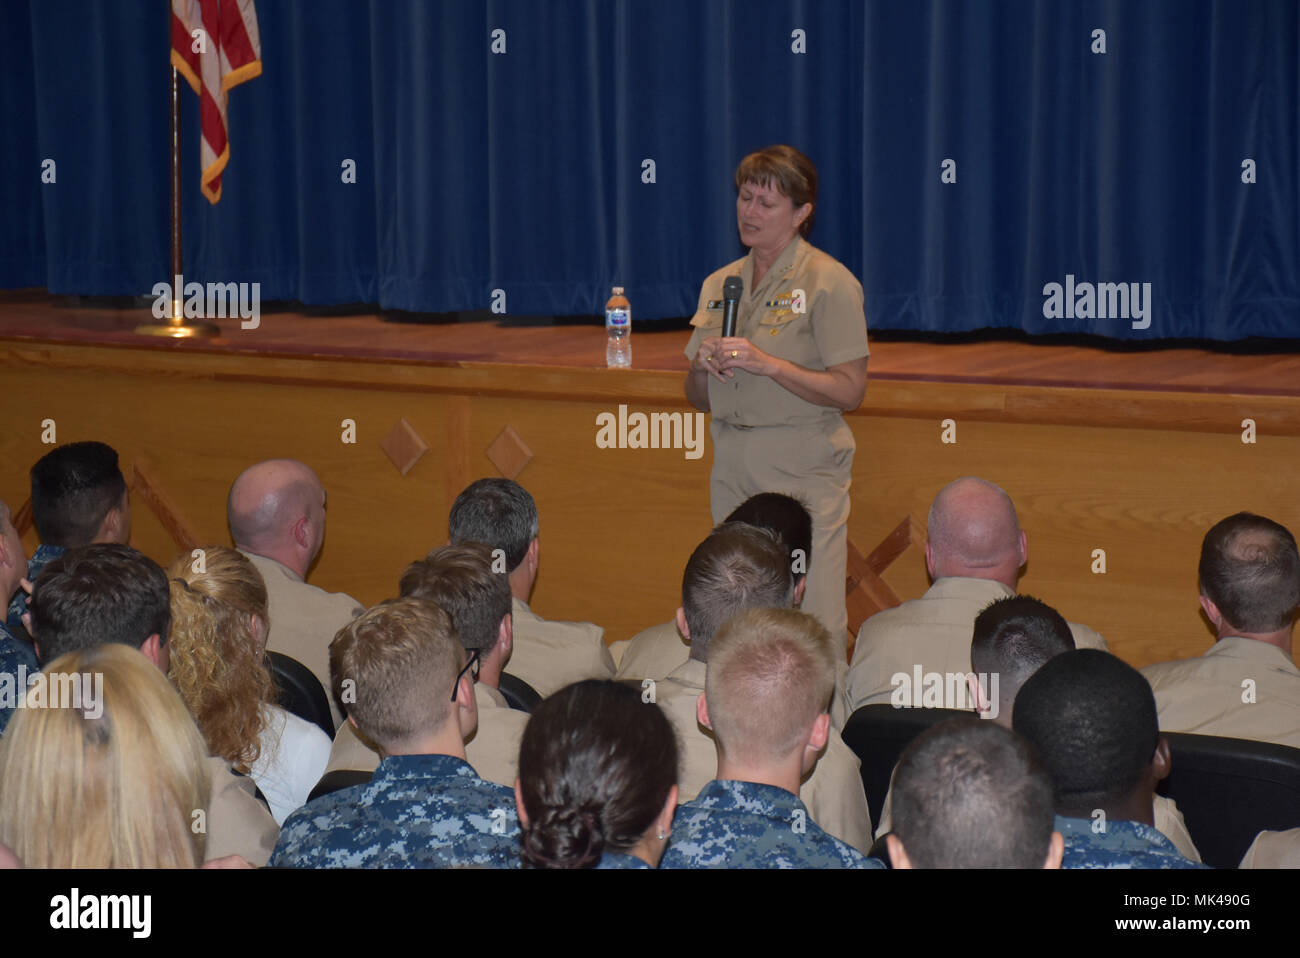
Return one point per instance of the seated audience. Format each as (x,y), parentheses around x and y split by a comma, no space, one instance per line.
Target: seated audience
(276,512)
(740,567)
(1092,720)
(115,777)
(403,676)
(597,781)
(971,794)
(460,580)
(974,552)
(16,656)
(548,655)
(1247,685)
(219,665)
(768,688)
(105,594)
(1013,638)
(79,497)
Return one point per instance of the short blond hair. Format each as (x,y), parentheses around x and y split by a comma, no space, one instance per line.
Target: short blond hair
(771,673)
(393,668)
(118,791)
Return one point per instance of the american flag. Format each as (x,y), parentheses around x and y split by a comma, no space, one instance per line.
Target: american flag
(226,52)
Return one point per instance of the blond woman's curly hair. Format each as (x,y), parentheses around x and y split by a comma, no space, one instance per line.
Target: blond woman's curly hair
(217,662)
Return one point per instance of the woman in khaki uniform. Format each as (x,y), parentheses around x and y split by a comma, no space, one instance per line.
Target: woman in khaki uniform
(777,390)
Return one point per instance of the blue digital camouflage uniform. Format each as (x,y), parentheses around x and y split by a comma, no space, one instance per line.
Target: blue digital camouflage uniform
(418,811)
(734,824)
(43,557)
(1122,845)
(620,860)
(13,653)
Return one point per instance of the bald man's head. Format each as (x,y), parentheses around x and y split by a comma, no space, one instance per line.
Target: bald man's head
(277,509)
(974,532)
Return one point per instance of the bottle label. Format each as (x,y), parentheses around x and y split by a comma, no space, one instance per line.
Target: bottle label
(617,318)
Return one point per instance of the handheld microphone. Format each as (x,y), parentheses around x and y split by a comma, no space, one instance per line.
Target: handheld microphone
(732,287)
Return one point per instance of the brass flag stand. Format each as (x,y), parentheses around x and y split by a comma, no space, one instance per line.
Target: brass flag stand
(177,327)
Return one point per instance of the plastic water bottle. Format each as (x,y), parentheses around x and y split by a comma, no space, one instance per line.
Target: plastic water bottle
(618,331)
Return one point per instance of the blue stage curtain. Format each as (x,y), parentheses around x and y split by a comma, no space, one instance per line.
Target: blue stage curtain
(528,172)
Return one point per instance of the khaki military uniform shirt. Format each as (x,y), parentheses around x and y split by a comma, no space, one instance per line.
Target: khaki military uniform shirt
(493,750)
(549,655)
(237,823)
(654,652)
(933,632)
(1273,850)
(1240,688)
(807,309)
(304,620)
(833,792)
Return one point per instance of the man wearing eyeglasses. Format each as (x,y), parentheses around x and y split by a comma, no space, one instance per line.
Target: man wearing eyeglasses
(461,581)
(407,684)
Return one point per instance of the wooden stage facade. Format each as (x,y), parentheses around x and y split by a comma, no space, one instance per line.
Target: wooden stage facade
(1130,454)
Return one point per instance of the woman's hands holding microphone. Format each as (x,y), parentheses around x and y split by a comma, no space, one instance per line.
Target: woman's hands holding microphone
(721,356)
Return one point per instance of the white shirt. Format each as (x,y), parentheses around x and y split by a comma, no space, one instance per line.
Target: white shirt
(294,755)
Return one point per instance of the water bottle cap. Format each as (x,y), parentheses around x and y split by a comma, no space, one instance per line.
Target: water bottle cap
(618,290)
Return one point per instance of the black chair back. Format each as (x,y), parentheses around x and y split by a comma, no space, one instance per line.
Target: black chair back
(878,734)
(338,779)
(1231,789)
(518,694)
(300,692)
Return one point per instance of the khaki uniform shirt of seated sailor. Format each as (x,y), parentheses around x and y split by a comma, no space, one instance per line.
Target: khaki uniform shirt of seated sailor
(1273,850)
(1240,688)
(550,654)
(833,792)
(237,823)
(933,632)
(824,327)
(653,653)
(493,752)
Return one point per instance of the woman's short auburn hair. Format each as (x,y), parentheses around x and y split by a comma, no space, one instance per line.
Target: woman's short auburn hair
(125,788)
(789,171)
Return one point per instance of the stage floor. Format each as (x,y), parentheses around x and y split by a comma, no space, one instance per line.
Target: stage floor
(34,315)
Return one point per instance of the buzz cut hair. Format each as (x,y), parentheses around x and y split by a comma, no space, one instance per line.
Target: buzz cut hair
(1250,570)
(737,567)
(394,667)
(1092,719)
(1013,638)
(972,794)
(771,673)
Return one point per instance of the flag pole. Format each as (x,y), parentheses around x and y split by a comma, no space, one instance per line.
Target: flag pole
(176,327)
